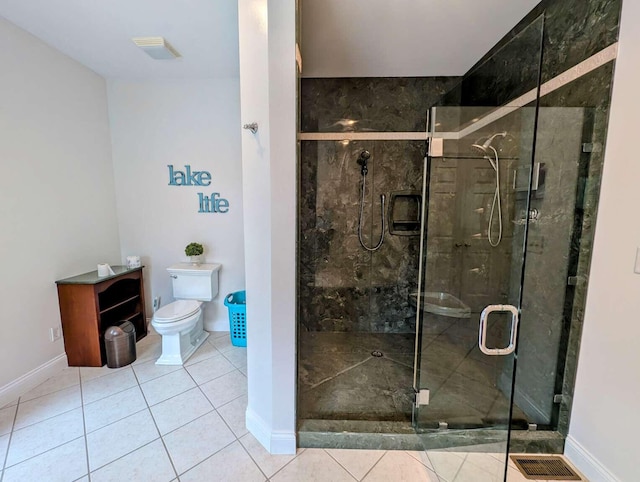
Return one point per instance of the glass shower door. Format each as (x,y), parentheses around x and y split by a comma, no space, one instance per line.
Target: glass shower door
(478,177)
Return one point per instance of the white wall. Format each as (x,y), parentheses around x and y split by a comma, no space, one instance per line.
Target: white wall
(57,201)
(179,122)
(605,424)
(268,93)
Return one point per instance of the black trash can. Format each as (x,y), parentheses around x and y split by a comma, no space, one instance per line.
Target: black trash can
(120,344)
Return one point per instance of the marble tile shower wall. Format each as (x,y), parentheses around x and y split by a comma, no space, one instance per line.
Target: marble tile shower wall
(381,104)
(343,287)
(573,31)
(552,312)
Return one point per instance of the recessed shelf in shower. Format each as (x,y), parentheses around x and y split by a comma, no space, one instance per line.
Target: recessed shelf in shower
(405,209)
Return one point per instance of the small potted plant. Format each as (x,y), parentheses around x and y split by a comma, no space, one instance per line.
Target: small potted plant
(194,251)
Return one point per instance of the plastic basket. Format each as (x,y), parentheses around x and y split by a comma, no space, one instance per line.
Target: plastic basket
(237,304)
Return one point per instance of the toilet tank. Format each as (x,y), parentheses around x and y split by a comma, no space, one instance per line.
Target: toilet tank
(194,282)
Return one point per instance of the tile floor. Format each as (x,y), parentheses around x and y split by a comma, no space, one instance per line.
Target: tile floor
(151,423)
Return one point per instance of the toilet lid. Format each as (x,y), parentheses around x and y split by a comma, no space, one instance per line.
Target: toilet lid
(176,311)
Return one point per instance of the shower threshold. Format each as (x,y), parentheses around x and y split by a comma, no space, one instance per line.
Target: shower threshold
(372,435)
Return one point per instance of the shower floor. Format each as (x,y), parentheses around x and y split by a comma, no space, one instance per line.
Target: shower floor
(340,379)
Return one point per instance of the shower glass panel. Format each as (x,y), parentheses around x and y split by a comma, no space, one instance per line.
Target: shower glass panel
(473,255)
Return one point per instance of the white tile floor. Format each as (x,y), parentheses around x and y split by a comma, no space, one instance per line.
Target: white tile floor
(158,423)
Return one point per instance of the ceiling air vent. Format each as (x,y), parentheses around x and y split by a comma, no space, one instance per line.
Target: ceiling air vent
(156,47)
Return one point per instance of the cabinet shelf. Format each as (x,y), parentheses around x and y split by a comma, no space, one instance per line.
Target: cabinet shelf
(123,302)
(129,318)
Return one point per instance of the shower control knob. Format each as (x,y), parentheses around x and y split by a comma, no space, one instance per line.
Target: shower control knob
(534,214)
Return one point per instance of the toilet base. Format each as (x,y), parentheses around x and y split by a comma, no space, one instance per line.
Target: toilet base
(177,348)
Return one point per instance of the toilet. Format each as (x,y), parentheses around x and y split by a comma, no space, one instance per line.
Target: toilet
(181,323)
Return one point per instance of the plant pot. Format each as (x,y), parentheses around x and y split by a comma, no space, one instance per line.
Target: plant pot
(195,260)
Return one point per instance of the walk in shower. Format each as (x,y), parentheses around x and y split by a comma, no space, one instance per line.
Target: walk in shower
(440,294)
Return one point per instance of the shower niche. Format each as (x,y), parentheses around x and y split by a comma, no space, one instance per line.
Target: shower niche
(405,209)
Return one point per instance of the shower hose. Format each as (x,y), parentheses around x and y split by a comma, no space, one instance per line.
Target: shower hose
(382,199)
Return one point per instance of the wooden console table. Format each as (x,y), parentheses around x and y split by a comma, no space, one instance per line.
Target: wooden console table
(89,304)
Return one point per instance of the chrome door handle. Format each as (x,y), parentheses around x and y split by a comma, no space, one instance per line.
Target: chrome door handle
(482,334)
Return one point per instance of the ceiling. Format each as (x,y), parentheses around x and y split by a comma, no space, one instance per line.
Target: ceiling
(353,38)
(98,34)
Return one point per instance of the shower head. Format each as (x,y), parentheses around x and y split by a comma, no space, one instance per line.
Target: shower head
(362,161)
(364,157)
(484,146)
(480,148)
(484,149)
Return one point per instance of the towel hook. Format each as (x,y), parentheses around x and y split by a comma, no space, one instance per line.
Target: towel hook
(253,127)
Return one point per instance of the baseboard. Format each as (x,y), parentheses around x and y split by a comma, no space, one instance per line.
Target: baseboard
(12,390)
(283,443)
(586,463)
(278,442)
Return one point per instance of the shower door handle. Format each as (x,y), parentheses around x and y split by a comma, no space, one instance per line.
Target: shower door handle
(482,334)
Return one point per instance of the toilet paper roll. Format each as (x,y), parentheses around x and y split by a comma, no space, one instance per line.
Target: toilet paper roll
(104,270)
(133,261)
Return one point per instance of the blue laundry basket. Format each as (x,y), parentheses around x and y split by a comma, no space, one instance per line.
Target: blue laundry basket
(237,304)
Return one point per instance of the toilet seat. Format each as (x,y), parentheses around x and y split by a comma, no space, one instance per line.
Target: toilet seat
(176,311)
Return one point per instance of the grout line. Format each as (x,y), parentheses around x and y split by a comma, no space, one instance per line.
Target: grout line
(84,429)
(252,459)
(392,358)
(106,373)
(432,468)
(373,466)
(42,453)
(236,439)
(384,452)
(44,419)
(287,464)
(156,424)
(53,391)
(6,455)
(116,421)
(338,374)
(340,465)
(227,403)
(204,460)
(123,455)
(111,395)
(212,379)
(190,363)
(156,377)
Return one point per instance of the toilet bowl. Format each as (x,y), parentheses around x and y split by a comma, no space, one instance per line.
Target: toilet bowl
(181,326)
(181,323)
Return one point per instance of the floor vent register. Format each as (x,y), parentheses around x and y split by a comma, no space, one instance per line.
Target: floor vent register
(544,467)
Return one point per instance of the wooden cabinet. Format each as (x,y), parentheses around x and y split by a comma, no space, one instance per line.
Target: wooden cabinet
(90,304)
